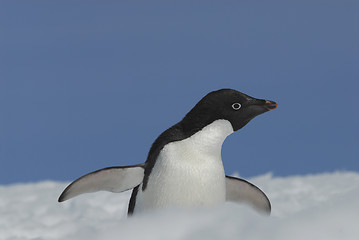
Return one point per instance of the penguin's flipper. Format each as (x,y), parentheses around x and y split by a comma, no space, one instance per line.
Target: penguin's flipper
(239,190)
(112,179)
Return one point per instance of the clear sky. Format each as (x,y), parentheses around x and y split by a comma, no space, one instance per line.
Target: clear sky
(90,84)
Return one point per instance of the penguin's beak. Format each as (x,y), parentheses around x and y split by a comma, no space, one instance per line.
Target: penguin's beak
(259,106)
(270,105)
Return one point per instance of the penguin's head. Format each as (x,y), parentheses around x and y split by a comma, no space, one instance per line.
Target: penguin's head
(236,107)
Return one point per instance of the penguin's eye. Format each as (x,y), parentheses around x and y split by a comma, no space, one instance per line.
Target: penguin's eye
(236,106)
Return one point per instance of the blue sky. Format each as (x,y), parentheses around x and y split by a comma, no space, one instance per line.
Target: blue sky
(90,84)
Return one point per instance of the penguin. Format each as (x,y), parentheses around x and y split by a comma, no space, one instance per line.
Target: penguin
(184,168)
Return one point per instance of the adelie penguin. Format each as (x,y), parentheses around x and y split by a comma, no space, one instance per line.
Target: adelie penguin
(184,166)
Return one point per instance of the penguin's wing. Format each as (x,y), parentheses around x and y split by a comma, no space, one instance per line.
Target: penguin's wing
(112,179)
(239,190)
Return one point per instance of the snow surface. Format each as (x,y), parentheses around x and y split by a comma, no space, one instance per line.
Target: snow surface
(323,206)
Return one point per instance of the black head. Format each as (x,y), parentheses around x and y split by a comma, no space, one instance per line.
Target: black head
(236,107)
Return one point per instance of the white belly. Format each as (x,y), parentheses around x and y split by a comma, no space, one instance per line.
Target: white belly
(188,173)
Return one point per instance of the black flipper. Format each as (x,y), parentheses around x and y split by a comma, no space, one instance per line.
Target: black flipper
(112,179)
(242,191)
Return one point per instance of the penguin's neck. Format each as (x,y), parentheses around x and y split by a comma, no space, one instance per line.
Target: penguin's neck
(209,140)
(211,137)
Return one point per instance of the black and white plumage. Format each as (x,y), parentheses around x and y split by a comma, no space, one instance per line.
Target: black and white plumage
(184,166)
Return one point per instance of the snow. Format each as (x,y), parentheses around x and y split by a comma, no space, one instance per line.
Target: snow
(322,206)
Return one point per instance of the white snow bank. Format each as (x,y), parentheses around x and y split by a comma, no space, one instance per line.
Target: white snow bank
(324,206)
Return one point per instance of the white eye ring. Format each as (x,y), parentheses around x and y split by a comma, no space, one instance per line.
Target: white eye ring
(236,106)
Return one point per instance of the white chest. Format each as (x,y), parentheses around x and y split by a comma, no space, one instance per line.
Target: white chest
(188,173)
